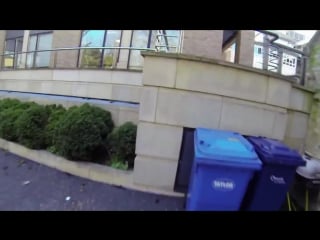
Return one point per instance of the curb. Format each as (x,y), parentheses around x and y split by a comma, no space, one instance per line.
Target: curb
(91,171)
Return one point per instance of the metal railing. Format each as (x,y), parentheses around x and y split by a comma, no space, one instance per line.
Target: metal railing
(88,57)
(44,58)
(281,59)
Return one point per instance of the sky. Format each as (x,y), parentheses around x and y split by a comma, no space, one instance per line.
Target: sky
(307,33)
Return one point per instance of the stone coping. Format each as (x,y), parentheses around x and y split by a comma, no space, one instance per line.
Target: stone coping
(75,69)
(219,62)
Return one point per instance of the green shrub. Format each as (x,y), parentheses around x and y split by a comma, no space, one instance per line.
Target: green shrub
(26,105)
(8,128)
(122,142)
(118,164)
(8,103)
(82,132)
(106,125)
(56,112)
(31,127)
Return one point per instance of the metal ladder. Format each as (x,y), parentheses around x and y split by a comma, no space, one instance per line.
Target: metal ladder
(162,43)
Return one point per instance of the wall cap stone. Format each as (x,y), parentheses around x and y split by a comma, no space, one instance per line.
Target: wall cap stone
(216,62)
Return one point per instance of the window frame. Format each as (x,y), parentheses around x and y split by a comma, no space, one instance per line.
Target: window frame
(131,38)
(36,47)
(14,52)
(105,35)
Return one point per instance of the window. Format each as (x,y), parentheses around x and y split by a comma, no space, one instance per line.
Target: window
(96,57)
(168,40)
(140,39)
(12,47)
(41,41)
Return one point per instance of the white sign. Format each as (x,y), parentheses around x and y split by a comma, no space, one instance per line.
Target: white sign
(277,180)
(223,184)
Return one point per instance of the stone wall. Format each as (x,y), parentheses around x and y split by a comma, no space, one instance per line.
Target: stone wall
(186,91)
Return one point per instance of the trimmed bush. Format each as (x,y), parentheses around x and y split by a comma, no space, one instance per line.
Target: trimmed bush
(10,111)
(31,127)
(122,142)
(26,105)
(82,132)
(8,103)
(56,112)
(103,115)
(8,128)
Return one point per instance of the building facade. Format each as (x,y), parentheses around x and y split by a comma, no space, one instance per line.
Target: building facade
(108,48)
(180,81)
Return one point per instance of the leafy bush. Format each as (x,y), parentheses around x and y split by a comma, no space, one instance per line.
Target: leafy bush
(8,119)
(122,142)
(56,112)
(31,127)
(8,103)
(82,132)
(26,105)
(105,117)
(10,111)
(115,163)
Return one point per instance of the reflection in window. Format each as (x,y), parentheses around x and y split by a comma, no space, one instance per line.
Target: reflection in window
(12,47)
(91,58)
(140,39)
(229,53)
(110,56)
(44,43)
(96,58)
(162,40)
(39,42)
(168,40)
(173,40)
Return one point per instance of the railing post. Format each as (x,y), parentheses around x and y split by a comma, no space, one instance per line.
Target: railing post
(280,53)
(303,72)
(55,59)
(265,53)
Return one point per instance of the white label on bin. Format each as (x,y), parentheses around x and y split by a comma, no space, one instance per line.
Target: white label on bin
(223,184)
(277,180)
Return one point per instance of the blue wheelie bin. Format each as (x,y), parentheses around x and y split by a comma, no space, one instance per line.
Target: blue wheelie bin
(269,187)
(223,165)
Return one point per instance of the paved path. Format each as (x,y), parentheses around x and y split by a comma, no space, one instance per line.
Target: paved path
(26,185)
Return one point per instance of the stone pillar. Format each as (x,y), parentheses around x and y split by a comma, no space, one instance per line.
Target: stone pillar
(2,42)
(63,39)
(157,144)
(204,43)
(23,59)
(245,47)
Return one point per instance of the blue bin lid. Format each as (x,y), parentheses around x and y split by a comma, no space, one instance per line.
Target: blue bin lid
(219,147)
(275,152)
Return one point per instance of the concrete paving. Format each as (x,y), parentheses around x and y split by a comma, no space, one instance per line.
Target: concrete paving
(29,186)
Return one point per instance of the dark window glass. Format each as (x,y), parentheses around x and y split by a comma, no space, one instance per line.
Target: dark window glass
(259,50)
(9,49)
(12,47)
